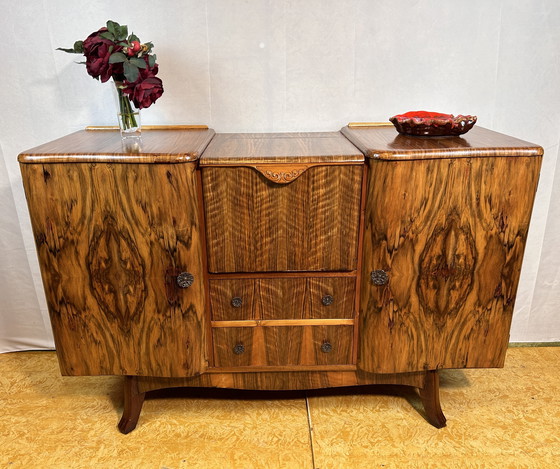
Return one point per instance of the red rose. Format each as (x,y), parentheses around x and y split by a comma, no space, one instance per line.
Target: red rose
(97,51)
(147,88)
(145,91)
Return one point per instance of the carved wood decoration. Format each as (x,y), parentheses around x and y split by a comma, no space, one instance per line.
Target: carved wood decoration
(310,224)
(111,241)
(281,174)
(450,233)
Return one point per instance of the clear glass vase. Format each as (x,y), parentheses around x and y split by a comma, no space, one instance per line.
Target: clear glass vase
(128,114)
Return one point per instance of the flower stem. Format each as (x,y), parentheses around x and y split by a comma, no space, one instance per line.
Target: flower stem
(128,117)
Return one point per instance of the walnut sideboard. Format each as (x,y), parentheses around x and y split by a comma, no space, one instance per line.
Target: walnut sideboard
(280,261)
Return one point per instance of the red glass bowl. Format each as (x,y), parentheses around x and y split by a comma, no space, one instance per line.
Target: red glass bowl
(432,124)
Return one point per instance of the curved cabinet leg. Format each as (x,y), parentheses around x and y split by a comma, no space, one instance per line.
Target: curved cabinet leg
(133,401)
(430,398)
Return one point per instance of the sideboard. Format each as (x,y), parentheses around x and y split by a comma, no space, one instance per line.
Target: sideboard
(282,261)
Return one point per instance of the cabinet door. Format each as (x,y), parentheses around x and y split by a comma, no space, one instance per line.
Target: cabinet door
(450,235)
(112,240)
(255,225)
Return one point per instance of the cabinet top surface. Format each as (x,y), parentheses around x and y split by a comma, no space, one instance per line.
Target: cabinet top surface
(386,143)
(157,146)
(303,147)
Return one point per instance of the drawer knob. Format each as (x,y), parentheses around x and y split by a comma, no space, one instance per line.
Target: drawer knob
(239,349)
(326,347)
(236,302)
(327,300)
(185,279)
(379,277)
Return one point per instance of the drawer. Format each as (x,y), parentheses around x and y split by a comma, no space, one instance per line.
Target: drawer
(255,225)
(282,345)
(282,298)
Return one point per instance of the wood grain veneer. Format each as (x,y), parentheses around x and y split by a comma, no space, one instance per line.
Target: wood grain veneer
(106,146)
(281,233)
(274,148)
(282,346)
(450,233)
(309,224)
(284,380)
(282,298)
(386,143)
(111,240)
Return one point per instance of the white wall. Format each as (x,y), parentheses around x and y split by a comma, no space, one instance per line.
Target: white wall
(280,66)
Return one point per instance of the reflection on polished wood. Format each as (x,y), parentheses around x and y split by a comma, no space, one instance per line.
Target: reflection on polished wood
(280,148)
(158,146)
(386,143)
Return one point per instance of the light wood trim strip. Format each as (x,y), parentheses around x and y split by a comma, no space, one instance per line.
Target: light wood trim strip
(303,368)
(369,124)
(151,127)
(262,275)
(284,322)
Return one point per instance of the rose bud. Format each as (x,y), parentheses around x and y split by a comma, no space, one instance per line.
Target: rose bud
(133,48)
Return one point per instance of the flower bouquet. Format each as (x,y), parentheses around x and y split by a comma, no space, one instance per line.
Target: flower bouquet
(112,53)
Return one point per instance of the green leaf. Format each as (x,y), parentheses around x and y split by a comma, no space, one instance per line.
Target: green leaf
(133,37)
(122,32)
(70,51)
(152,60)
(113,27)
(140,63)
(108,35)
(77,49)
(130,71)
(117,57)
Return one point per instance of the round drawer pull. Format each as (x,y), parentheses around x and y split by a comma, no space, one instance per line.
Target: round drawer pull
(327,300)
(236,302)
(185,279)
(326,347)
(379,277)
(239,349)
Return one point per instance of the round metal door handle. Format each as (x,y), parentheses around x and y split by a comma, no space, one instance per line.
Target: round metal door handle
(185,279)
(327,300)
(236,302)
(326,347)
(379,277)
(239,349)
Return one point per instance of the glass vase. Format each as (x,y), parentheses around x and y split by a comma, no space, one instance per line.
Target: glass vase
(128,114)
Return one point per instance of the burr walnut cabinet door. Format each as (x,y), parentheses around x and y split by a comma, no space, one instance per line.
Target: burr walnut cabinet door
(444,239)
(256,225)
(114,241)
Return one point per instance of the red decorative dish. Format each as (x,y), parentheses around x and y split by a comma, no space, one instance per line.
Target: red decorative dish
(423,123)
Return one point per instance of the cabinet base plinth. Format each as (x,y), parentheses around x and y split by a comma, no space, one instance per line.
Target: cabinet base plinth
(136,387)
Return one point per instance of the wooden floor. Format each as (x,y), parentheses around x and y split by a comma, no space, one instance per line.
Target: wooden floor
(508,418)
